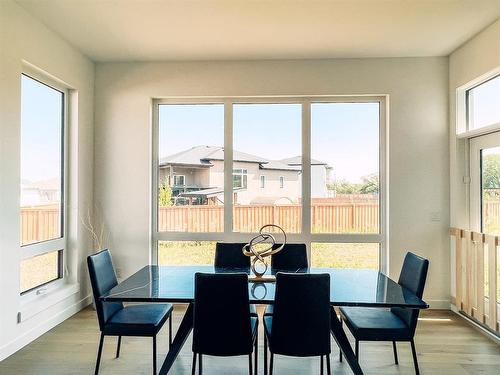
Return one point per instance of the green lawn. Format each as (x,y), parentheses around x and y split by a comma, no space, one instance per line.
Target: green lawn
(323,255)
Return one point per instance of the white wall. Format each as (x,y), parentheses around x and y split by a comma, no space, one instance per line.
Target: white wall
(478,56)
(23,38)
(419,169)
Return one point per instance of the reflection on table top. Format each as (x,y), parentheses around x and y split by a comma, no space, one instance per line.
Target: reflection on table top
(349,287)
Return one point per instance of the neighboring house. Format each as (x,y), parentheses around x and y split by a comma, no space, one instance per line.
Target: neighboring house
(40,192)
(196,176)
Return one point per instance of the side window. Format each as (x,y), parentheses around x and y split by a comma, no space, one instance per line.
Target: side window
(42,204)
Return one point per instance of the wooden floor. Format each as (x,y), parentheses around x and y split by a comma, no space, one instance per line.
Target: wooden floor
(445,344)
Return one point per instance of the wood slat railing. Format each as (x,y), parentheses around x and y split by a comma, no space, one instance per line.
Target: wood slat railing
(476,271)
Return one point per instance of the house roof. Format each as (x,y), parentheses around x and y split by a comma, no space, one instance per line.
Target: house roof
(297,160)
(200,156)
(280,166)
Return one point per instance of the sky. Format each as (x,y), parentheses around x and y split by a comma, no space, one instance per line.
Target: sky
(41,131)
(485,103)
(344,135)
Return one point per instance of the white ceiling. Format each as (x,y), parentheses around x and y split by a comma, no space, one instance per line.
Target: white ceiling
(152,30)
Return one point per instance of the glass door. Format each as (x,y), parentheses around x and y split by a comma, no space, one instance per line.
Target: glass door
(485,184)
(485,200)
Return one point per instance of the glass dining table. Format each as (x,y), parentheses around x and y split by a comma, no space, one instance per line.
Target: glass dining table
(349,287)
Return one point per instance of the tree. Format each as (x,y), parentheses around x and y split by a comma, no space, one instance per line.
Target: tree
(491,171)
(344,187)
(370,184)
(165,195)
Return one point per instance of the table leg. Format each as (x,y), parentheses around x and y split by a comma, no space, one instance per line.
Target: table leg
(343,343)
(180,338)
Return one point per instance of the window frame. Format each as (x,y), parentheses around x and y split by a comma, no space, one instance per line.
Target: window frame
(305,235)
(243,173)
(462,114)
(178,176)
(262,181)
(58,244)
(282,182)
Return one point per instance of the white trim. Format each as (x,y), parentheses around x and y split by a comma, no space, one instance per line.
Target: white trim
(31,335)
(462,126)
(228,167)
(178,176)
(41,248)
(306,235)
(479,131)
(32,307)
(56,244)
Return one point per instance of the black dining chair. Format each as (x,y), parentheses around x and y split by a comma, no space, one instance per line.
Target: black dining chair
(230,255)
(114,318)
(222,324)
(292,258)
(396,324)
(300,325)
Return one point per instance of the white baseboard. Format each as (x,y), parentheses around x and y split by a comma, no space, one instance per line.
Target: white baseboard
(439,304)
(27,337)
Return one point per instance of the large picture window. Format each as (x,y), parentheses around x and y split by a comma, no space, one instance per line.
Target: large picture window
(345,167)
(190,170)
(42,183)
(313,165)
(257,129)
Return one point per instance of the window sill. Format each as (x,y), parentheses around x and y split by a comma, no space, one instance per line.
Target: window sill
(33,304)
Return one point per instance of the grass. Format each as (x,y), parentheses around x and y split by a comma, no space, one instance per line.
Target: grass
(38,270)
(352,255)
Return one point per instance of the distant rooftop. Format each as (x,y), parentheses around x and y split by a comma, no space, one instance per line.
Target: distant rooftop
(200,156)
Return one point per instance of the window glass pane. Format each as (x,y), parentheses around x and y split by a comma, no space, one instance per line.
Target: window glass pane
(483,104)
(490,190)
(39,270)
(186,253)
(345,167)
(490,202)
(345,255)
(41,161)
(258,131)
(191,168)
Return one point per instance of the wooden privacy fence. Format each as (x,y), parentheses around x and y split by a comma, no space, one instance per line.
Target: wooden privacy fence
(330,218)
(476,276)
(40,223)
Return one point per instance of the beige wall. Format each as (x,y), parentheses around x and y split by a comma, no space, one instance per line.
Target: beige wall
(418,139)
(23,38)
(475,58)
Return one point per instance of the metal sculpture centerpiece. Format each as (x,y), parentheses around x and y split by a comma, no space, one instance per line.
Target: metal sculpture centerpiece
(267,242)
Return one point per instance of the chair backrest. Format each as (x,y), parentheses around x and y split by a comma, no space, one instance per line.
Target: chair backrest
(103,278)
(301,318)
(230,255)
(413,276)
(292,257)
(221,314)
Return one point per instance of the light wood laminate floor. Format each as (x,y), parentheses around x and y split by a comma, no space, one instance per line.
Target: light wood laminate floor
(445,343)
